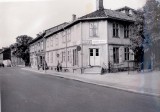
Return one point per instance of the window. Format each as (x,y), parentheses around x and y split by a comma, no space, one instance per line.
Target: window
(51,41)
(63,56)
(57,41)
(68,55)
(116,55)
(97,52)
(75,57)
(115,30)
(93,31)
(126,31)
(68,34)
(51,58)
(42,45)
(48,57)
(91,52)
(63,37)
(126,54)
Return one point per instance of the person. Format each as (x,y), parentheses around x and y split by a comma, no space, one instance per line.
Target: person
(58,65)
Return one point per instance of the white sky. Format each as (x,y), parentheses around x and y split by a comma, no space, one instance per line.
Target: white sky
(29,17)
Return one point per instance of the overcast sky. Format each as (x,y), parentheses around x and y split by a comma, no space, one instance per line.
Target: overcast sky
(29,17)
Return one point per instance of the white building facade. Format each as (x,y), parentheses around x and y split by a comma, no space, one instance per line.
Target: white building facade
(98,39)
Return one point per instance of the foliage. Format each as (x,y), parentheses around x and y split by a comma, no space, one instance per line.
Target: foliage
(21,48)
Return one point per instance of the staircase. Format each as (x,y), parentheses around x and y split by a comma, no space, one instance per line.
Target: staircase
(93,70)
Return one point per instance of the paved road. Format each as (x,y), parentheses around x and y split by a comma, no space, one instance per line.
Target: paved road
(24,91)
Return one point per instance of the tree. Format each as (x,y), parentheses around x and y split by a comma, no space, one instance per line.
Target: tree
(152,32)
(137,36)
(21,48)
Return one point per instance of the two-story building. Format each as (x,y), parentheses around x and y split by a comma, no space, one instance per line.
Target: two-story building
(38,47)
(94,40)
(37,51)
(97,40)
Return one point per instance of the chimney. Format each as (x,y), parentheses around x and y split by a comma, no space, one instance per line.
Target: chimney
(99,4)
(73,17)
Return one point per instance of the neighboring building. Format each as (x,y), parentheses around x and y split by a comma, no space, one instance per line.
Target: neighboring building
(92,41)
(37,52)
(37,47)
(5,56)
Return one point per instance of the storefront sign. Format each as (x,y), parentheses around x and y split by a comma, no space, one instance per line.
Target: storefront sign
(99,41)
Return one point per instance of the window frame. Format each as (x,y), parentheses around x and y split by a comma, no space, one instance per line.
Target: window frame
(126,31)
(93,30)
(116,55)
(115,27)
(126,54)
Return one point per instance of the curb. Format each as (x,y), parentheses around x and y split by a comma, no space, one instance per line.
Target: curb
(97,83)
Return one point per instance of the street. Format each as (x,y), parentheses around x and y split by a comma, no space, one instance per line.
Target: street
(24,91)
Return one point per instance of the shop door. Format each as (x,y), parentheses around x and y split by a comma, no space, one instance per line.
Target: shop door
(94,57)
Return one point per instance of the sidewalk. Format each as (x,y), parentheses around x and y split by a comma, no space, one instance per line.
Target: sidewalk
(143,83)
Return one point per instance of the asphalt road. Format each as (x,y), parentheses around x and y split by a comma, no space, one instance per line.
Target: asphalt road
(24,91)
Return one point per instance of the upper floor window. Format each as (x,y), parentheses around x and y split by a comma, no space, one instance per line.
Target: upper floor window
(57,40)
(93,29)
(68,34)
(63,36)
(115,30)
(63,56)
(51,41)
(126,31)
(47,43)
(42,45)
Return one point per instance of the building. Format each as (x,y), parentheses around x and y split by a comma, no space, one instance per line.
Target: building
(5,56)
(37,51)
(92,42)
(37,47)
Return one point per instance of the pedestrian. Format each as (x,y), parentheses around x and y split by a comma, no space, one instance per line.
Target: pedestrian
(58,67)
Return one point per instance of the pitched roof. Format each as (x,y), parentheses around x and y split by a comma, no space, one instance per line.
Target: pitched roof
(48,32)
(107,13)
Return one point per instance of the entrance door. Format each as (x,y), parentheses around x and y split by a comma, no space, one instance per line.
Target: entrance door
(94,57)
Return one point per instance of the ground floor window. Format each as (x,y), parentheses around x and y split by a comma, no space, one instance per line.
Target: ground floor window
(126,54)
(75,57)
(115,54)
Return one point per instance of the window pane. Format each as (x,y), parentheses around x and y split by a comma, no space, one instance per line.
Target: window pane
(97,52)
(91,52)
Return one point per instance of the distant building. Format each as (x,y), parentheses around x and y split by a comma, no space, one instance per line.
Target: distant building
(93,41)
(5,56)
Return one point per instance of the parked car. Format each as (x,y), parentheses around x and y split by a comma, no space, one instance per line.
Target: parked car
(7,63)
